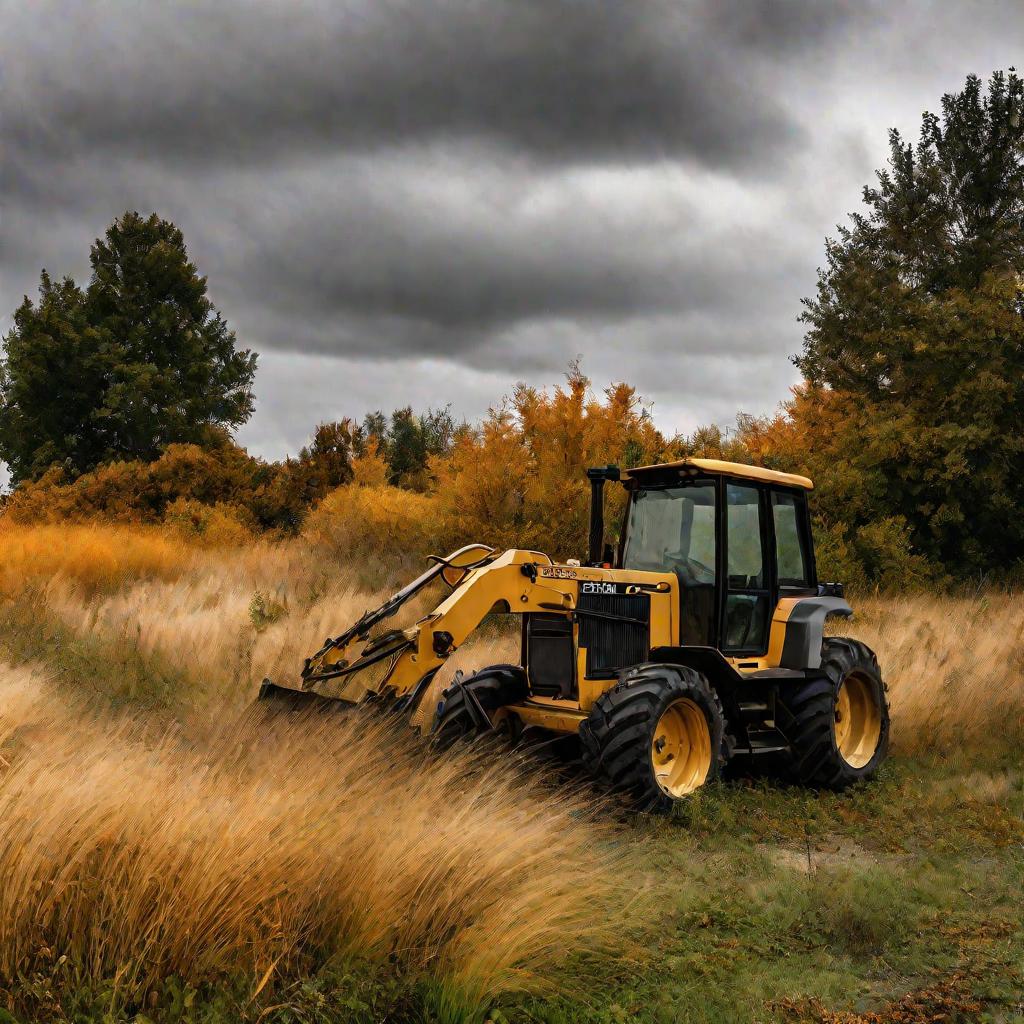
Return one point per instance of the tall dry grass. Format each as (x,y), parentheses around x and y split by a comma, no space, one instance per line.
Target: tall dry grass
(223,847)
(954,665)
(270,849)
(94,557)
(217,619)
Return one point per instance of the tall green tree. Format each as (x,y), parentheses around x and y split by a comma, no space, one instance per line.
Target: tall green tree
(918,323)
(407,447)
(141,359)
(408,440)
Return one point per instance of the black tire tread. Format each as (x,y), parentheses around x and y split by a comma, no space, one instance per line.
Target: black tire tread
(616,736)
(809,714)
(493,687)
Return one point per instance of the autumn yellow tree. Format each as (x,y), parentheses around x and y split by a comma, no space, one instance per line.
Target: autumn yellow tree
(519,480)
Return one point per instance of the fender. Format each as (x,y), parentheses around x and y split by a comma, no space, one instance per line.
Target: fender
(805,629)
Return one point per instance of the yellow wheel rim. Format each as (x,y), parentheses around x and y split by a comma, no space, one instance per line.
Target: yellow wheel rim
(681,748)
(858,725)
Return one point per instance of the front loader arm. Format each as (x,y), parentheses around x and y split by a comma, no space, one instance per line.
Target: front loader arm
(401,662)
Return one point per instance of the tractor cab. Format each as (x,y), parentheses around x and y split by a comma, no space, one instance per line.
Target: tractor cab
(737,538)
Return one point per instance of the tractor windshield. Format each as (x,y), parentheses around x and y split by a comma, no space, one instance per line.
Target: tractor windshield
(672,529)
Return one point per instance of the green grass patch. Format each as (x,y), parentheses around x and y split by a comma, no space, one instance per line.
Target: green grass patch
(899,901)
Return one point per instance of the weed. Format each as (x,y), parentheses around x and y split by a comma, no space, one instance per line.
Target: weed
(265,611)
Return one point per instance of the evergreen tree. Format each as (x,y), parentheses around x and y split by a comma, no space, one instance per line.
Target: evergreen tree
(48,383)
(139,361)
(407,441)
(407,447)
(918,324)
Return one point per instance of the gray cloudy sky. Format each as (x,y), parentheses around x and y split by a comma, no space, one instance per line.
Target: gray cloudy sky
(421,201)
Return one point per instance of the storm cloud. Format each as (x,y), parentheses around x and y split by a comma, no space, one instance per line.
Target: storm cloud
(427,201)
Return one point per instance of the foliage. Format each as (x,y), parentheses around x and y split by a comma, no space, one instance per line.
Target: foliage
(375,520)
(712,442)
(265,611)
(370,467)
(520,479)
(408,441)
(142,491)
(916,335)
(218,524)
(138,361)
(198,489)
(516,481)
(327,461)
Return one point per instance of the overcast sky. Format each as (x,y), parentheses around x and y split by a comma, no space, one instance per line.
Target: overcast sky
(422,202)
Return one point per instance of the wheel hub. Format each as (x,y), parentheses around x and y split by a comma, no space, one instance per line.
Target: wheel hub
(858,721)
(681,748)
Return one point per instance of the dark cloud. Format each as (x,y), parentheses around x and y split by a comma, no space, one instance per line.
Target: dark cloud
(417,201)
(450,259)
(565,80)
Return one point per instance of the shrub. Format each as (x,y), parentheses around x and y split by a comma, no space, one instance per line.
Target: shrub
(220,524)
(876,555)
(520,480)
(139,492)
(373,522)
(370,469)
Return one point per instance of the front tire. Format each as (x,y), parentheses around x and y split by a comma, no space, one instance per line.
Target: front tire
(469,707)
(838,724)
(657,736)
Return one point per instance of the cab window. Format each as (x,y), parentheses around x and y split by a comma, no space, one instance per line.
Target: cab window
(672,529)
(791,561)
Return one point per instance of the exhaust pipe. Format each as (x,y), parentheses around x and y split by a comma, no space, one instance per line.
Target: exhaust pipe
(597,476)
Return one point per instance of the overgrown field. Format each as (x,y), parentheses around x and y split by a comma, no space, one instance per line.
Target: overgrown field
(165,855)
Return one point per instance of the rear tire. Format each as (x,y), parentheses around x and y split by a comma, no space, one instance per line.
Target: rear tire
(656,736)
(838,725)
(458,715)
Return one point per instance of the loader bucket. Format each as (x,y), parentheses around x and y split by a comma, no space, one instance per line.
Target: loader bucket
(284,699)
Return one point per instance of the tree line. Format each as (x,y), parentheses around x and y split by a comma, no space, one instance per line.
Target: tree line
(908,416)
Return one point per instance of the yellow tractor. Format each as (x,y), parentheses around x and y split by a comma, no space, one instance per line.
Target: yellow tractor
(696,641)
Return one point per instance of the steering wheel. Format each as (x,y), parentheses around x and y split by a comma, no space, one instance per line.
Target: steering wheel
(695,572)
(699,570)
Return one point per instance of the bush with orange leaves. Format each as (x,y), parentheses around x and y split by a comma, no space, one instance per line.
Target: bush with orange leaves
(372,521)
(520,479)
(220,484)
(516,481)
(139,492)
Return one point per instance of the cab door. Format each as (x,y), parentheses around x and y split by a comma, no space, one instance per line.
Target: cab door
(748,601)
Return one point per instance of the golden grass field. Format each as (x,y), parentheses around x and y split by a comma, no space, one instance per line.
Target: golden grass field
(151,827)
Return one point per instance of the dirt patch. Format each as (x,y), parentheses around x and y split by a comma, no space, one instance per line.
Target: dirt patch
(841,853)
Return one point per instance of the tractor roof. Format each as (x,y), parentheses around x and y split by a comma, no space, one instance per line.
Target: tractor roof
(720,468)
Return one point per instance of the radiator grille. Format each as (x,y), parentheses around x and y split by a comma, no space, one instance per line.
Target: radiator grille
(614,645)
